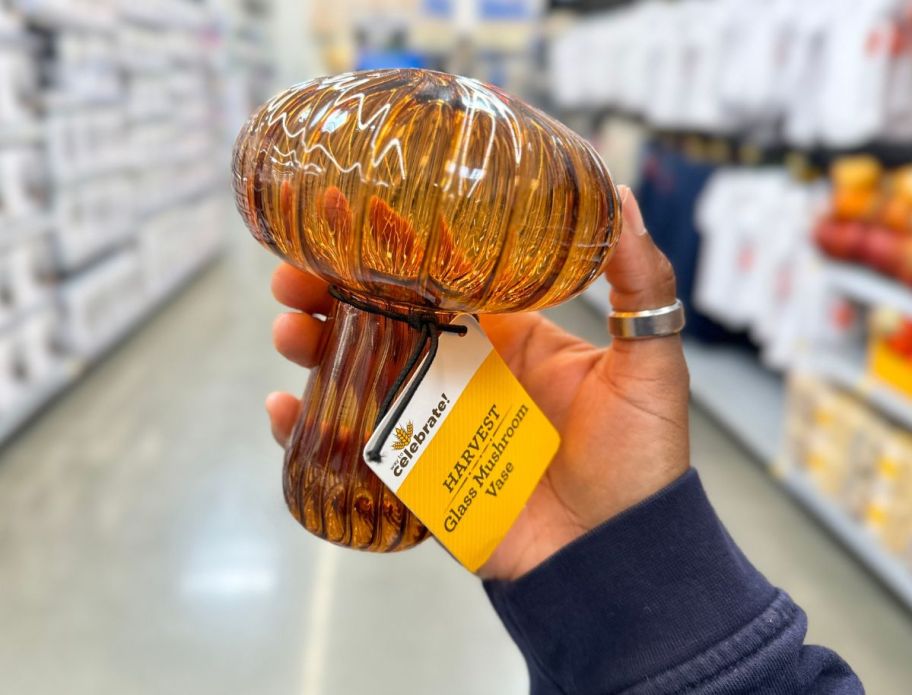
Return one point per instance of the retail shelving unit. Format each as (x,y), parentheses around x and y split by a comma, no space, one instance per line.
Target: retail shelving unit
(113,176)
(69,370)
(847,367)
(847,371)
(729,128)
(867,286)
(855,537)
(749,401)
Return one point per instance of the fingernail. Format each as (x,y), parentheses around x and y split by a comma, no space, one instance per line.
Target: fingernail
(633,218)
(271,399)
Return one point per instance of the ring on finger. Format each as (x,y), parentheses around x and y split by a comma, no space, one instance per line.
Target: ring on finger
(650,323)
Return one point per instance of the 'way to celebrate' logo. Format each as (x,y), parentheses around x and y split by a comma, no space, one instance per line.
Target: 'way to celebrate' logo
(403,436)
(407,441)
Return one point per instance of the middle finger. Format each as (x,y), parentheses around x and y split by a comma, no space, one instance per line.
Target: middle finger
(300,290)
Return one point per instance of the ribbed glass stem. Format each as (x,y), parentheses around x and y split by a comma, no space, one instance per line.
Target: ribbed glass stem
(328,487)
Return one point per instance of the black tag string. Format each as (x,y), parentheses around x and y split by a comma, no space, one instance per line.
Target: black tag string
(430,329)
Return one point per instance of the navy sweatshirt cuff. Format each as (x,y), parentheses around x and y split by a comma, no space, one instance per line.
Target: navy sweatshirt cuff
(645,592)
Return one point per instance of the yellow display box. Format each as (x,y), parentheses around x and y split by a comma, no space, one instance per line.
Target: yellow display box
(889,367)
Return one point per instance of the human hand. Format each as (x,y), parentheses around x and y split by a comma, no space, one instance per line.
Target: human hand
(621,411)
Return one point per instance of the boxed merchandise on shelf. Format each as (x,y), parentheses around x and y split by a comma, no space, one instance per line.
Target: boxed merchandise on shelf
(9,386)
(163,186)
(99,302)
(836,439)
(854,457)
(18,83)
(92,217)
(89,16)
(23,267)
(35,343)
(29,358)
(890,350)
(889,512)
(85,68)
(112,149)
(84,142)
(174,242)
(22,190)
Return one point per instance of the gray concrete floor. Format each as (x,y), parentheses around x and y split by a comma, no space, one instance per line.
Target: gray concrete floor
(145,548)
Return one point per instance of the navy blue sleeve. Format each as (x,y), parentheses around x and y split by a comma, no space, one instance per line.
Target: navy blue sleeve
(661,600)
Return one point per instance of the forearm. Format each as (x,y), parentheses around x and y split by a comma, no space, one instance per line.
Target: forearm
(660,600)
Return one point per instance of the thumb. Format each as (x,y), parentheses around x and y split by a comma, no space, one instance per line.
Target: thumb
(641,276)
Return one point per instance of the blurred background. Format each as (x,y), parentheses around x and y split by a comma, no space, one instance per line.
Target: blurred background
(144,544)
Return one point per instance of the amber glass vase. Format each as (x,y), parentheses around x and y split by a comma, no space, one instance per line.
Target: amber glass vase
(415,192)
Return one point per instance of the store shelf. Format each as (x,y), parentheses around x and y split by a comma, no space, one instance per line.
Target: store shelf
(57,16)
(13,318)
(749,401)
(180,198)
(156,301)
(19,229)
(82,48)
(74,178)
(15,36)
(177,16)
(22,132)
(890,570)
(69,263)
(64,103)
(72,369)
(866,286)
(848,371)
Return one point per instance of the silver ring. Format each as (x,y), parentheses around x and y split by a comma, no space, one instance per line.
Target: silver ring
(652,323)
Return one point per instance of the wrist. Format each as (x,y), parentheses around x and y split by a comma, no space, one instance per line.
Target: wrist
(547,525)
(664,575)
(531,541)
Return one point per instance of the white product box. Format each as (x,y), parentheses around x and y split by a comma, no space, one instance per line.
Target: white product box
(101,302)
(35,350)
(10,386)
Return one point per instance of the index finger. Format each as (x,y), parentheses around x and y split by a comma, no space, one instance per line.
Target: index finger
(300,290)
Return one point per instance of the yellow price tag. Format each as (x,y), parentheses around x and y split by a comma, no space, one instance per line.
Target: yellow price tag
(469,449)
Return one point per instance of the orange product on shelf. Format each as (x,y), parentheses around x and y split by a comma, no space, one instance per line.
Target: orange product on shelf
(890,350)
(857,193)
(897,210)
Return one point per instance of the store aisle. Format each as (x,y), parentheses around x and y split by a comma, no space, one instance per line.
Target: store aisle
(145,548)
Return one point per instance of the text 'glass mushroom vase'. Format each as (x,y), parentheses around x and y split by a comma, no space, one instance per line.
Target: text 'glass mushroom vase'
(419,193)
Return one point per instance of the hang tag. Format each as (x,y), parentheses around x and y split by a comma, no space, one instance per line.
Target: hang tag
(469,449)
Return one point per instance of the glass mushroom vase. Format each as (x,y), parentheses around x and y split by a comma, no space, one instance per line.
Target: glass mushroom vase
(417,193)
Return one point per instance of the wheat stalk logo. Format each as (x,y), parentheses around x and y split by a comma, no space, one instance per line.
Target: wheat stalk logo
(403,436)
